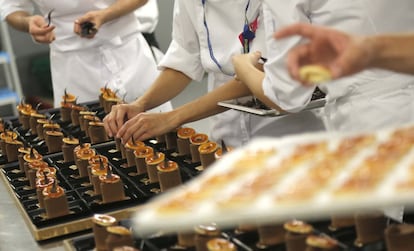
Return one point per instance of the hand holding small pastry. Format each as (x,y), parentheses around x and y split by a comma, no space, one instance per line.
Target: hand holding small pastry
(340,53)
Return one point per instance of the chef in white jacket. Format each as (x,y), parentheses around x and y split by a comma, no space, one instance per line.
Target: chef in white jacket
(366,101)
(116,56)
(205,36)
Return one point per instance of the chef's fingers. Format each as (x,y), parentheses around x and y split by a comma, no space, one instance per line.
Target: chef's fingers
(294,59)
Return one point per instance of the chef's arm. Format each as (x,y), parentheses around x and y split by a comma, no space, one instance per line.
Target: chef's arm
(167,85)
(206,105)
(122,7)
(393,52)
(19,20)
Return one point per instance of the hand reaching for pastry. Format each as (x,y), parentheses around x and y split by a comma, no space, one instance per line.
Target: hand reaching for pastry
(118,116)
(88,25)
(40,30)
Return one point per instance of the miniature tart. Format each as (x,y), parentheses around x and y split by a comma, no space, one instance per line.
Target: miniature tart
(70,141)
(314,74)
(38,164)
(48,192)
(84,113)
(98,159)
(46,170)
(51,126)
(143,152)
(298,227)
(155,159)
(78,108)
(8,135)
(323,242)
(199,138)
(220,244)
(22,107)
(171,166)
(37,115)
(85,153)
(185,132)
(13,141)
(54,133)
(208,147)
(112,179)
(96,123)
(32,157)
(24,150)
(120,230)
(27,111)
(66,104)
(42,121)
(103,220)
(97,170)
(209,229)
(134,144)
(68,98)
(41,184)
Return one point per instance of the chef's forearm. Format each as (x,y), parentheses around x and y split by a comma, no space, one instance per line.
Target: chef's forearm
(122,7)
(393,52)
(167,85)
(206,105)
(19,20)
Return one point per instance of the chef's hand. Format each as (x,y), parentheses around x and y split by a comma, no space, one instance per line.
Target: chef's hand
(88,25)
(118,116)
(245,62)
(40,31)
(146,125)
(341,53)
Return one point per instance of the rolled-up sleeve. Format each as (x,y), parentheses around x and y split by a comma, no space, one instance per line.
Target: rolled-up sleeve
(9,6)
(183,54)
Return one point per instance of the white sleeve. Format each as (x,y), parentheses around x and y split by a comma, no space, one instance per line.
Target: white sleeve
(9,6)
(147,16)
(278,86)
(183,54)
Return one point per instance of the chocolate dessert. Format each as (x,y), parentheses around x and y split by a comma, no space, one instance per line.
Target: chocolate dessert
(112,187)
(130,147)
(100,223)
(183,140)
(83,153)
(185,239)
(55,201)
(25,117)
(152,162)
(171,140)
(69,144)
(20,157)
(33,155)
(23,108)
(207,153)
(96,162)
(195,141)
(65,111)
(54,141)
(399,237)
(270,235)
(12,149)
(49,126)
(39,127)
(5,137)
(82,115)
(369,227)
(87,119)
(321,243)
(34,117)
(96,171)
(97,132)
(338,222)
(34,166)
(118,236)
(41,184)
(220,244)
(75,113)
(203,234)
(168,175)
(109,98)
(296,234)
(141,153)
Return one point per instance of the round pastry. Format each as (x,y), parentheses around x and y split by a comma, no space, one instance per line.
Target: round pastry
(270,235)
(141,153)
(54,141)
(369,227)
(296,234)
(112,187)
(97,132)
(12,149)
(183,140)
(41,184)
(399,237)
(314,74)
(34,116)
(205,233)
(118,236)
(130,147)
(298,227)
(152,162)
(168,175)
(318,242)
(33,167)
(74,114)
(55,201)
(220,244)
(69,144)
(68,98)
(207,153)
(100,223)
(195,141)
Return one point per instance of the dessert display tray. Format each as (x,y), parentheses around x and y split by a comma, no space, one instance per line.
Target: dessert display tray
(258,108)
(304,176)
(244,241)
(83,203)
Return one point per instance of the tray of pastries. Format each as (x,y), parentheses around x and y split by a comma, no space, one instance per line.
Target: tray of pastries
(306,176)
(61,167)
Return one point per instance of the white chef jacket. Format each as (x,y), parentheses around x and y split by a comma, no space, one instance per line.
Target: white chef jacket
(118,56)
(147,16)
(370,100)
(189,53)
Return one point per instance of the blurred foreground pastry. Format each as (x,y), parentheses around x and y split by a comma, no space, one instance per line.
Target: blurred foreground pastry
(314,74)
